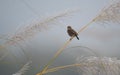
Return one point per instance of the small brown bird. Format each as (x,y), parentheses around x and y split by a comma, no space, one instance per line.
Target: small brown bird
(71,32)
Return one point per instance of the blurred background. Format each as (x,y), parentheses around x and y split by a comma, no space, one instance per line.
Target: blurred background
(16,15)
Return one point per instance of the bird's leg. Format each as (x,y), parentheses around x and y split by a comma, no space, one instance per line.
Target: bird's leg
(72,37)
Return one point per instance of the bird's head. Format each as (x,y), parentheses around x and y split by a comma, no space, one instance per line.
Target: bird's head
(69,27)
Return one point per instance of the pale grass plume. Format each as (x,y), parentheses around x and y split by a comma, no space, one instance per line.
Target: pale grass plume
(98,66)
(4,48)
(110,14)
(24,69)
(32,29)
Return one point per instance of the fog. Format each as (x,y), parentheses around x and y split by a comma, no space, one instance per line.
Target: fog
(18,18)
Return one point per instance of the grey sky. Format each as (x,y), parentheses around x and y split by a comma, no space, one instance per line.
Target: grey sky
(15,14)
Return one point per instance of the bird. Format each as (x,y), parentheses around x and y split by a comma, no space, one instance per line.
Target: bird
(71,32)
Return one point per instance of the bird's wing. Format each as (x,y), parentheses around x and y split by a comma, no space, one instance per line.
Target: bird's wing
(73,31)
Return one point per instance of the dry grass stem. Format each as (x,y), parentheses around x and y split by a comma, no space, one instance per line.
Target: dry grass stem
(61,67)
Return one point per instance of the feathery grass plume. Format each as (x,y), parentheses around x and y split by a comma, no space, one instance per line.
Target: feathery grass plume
(31,30)
(110,14)
(6,51)
(24,69)
(98,66)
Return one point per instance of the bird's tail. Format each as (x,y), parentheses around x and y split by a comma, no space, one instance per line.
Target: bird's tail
(77,37)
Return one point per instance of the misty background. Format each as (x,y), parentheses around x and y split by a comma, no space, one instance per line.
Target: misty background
(15,15)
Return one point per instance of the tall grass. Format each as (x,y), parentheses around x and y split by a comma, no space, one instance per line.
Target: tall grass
(93,66)
(32,29)
(112,7)
(89,65)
